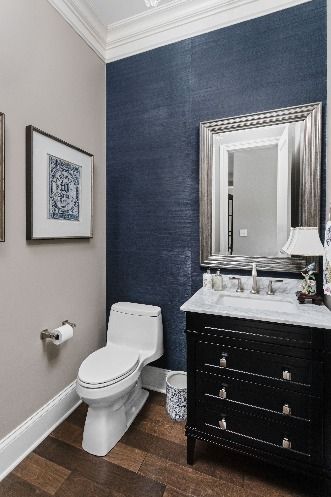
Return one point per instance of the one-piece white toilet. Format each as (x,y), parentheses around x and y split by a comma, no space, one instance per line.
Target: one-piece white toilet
(109,379)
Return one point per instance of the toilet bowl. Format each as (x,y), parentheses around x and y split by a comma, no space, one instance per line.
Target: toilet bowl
(109,379)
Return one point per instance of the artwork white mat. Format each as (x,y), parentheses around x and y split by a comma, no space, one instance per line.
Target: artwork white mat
(42,225)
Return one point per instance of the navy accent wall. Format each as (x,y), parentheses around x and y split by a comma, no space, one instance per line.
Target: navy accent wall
(155,102)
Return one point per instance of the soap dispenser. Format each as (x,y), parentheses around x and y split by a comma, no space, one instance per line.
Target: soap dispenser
(218,281)
(207,280)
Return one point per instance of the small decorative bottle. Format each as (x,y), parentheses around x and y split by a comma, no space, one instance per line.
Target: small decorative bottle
(207,280)
(218,281)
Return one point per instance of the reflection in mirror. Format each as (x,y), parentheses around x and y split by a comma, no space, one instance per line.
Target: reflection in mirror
(259,175)
(253,190)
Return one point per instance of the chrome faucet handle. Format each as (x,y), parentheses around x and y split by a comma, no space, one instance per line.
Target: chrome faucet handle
(239,287)
(270,288)
(255,286)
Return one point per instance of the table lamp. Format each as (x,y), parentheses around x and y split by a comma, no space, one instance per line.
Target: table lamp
(305,241)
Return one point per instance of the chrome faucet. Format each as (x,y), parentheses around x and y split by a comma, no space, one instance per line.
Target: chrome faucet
(254,289)
(239,287)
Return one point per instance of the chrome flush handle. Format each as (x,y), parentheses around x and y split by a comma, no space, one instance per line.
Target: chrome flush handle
(286,410)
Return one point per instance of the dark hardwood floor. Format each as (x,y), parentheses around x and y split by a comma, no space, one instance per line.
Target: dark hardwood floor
(148,462)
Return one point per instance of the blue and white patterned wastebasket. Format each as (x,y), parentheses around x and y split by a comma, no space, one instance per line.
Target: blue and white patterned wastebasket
(176,389)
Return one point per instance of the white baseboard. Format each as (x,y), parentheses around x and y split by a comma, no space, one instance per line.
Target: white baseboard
(21,441)
(154,378)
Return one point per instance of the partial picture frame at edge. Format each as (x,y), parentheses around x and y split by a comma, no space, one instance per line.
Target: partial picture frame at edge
(2,177)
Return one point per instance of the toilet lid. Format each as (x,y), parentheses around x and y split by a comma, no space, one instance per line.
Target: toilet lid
(108,364)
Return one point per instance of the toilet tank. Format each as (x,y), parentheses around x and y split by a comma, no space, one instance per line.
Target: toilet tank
(138,326)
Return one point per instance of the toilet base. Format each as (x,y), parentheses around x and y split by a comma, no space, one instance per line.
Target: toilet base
(105,426)
(135,403)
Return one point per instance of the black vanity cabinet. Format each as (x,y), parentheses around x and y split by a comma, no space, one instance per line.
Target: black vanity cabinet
(262,389)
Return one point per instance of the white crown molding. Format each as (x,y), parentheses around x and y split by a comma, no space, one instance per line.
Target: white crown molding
(81,17)
(181,20)
(23,439)
(168,23)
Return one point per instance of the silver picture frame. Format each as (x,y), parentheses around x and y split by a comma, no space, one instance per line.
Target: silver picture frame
(309,188)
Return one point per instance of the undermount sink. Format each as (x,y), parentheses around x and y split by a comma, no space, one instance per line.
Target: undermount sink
(255,303)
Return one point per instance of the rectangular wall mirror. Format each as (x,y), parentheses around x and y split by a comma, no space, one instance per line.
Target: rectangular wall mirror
(259,175)
(2,177)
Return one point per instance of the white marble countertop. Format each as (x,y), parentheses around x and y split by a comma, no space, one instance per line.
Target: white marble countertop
(210,302)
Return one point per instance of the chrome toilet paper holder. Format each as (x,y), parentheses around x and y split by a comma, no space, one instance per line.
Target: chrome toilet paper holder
(46,334)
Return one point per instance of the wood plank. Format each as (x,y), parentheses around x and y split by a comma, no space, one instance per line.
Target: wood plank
(42,473)
(154,420)
(13,486)
(77,485)
(264,479)
(123,455)
(157,398)
(69,433)
(155,445)
(220,464)
(126,456)
(99,470)
(172,492)
(79,415)
(188,480)
(208,459)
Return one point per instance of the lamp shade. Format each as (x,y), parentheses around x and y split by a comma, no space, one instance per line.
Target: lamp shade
(288,243)
(304,241)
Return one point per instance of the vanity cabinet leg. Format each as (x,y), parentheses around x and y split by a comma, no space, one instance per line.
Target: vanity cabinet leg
(327,488)
(190,450)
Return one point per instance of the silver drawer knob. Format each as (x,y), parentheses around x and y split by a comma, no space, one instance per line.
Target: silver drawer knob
(286,410)
(286,443)
(286,375)
(222,393)
(222,424)
(223,362)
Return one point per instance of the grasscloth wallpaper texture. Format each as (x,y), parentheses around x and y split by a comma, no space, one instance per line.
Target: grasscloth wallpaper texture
(155,102)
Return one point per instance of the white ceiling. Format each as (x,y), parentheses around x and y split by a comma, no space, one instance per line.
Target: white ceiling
(110,11)
(116,29)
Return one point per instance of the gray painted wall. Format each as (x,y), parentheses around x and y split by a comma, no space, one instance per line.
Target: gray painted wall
(49,78)
(255,201)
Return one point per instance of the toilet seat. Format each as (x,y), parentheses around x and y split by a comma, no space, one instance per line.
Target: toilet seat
(107,366)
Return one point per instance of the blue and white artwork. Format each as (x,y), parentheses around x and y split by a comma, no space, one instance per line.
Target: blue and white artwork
(64,185)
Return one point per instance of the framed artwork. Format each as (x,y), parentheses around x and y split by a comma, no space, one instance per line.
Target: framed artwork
(2,177)
(59,189)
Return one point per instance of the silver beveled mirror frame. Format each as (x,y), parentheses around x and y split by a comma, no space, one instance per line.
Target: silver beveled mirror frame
(309,196)
(2,177)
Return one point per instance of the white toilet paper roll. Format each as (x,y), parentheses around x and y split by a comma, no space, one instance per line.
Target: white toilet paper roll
(62,334)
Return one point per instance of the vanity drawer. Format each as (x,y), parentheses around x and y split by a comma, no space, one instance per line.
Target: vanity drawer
(293,438)
(257,331)
(216,392)
(258,366)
